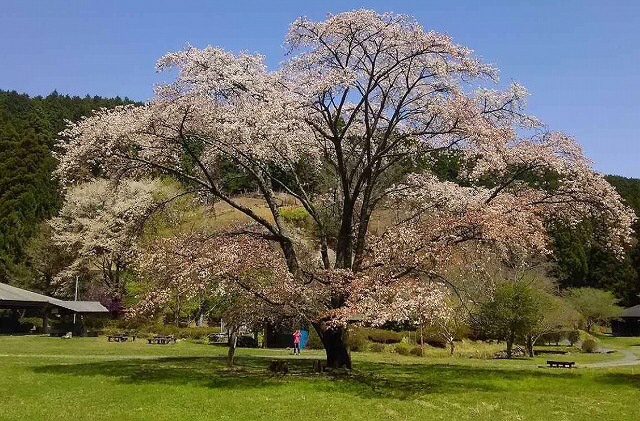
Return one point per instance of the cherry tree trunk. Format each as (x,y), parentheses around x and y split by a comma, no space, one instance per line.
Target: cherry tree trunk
(233,338)
(344,246)
(335,346)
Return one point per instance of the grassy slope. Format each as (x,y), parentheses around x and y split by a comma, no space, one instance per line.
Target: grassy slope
(91,379)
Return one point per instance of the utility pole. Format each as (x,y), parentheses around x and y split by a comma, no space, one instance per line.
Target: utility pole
(75,299)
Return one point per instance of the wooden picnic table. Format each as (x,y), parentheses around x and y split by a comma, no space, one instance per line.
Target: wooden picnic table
(558,364)
(161,340)
(218,338)
(121,337)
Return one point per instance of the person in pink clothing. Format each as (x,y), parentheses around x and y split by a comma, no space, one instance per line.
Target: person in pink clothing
(296,342)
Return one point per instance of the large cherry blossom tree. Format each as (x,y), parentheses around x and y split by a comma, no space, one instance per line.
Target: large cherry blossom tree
(353,126)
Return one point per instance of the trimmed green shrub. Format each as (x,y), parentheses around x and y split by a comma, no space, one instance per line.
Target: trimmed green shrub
(434,342)
(416,351)
(555,337)
(95,323)
(402,349)
(296,215)
(313,342)
(589,345)
(357,340)
(382,336)
(198,333)
(376,347)
(573,336)
(551,338)
(31,322)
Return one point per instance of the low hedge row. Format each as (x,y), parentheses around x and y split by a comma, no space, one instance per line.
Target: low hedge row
(199,333)
(572,336)
(380,336)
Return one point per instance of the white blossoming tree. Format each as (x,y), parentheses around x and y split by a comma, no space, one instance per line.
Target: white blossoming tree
(352,127)
(99,225)
(234,270)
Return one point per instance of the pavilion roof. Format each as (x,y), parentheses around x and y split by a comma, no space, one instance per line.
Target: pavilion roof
(631,311)
(14,296)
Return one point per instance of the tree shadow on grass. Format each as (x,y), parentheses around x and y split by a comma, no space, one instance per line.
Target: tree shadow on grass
(407,381)
(370,380)
(199,371)
(620,379)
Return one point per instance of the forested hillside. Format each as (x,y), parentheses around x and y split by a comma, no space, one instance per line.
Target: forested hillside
(581,261)
(28,195)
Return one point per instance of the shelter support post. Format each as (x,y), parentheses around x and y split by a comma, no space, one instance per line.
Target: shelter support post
(46,327)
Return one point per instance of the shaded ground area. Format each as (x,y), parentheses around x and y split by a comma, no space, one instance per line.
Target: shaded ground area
(370,380)
(44,379)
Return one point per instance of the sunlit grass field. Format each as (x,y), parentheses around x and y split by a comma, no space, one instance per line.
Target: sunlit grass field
(44,378)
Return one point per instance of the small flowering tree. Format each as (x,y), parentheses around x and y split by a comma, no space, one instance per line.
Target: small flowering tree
(448,325)
(351,125)
(413,301)
(99,224)
(235,270)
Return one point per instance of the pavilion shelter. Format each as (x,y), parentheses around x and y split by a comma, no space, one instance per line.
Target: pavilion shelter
(628,323)
(18,299)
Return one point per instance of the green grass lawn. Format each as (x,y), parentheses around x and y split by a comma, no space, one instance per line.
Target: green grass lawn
(45,378)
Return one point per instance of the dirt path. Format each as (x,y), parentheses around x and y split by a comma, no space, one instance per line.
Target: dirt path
(629,359)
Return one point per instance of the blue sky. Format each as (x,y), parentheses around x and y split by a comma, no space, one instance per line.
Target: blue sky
(580,59)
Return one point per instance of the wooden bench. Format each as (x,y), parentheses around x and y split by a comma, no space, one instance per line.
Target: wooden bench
(161,340)
(558,364)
